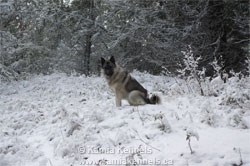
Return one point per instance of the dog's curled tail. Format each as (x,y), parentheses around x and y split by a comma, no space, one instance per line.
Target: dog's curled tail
(154,99)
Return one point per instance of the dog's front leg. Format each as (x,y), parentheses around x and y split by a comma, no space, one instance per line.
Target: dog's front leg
(118,99)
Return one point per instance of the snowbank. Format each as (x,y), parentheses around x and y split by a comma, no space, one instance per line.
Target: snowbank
(61,120)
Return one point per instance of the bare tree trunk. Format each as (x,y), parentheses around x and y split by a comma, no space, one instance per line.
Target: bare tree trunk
(87,54)
(88,42)
(1,45)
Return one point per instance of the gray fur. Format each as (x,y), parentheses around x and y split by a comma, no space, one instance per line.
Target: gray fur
(125,86)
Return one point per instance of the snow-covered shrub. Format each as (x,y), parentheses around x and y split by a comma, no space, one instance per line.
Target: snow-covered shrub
(208,114)
(7,74)
(191,69)
(164,124)
(32,59)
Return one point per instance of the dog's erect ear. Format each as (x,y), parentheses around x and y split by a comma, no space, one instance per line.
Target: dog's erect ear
(102,61)
(112,59)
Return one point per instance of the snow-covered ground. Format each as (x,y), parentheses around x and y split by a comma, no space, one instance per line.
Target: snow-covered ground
(61,120)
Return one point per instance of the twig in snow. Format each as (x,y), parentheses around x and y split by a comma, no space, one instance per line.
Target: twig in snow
(190,134)
(189,144)
(144,141)
(73,126)
(50,162)
(241,161)
(140,116)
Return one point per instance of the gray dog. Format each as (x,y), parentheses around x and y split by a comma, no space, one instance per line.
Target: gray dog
(125,86)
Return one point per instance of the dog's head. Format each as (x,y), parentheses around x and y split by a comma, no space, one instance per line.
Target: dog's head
(108,66)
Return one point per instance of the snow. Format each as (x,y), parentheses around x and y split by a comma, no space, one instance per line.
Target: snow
(60,120)
(5,8)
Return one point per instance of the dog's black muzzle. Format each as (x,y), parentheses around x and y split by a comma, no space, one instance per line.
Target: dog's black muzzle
(108,71)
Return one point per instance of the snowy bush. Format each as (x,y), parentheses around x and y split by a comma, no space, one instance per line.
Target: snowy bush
(7,74)
(164,124)
(32,59)
(191,71)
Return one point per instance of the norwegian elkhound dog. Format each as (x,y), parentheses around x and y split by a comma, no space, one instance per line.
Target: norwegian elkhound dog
(124,85)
